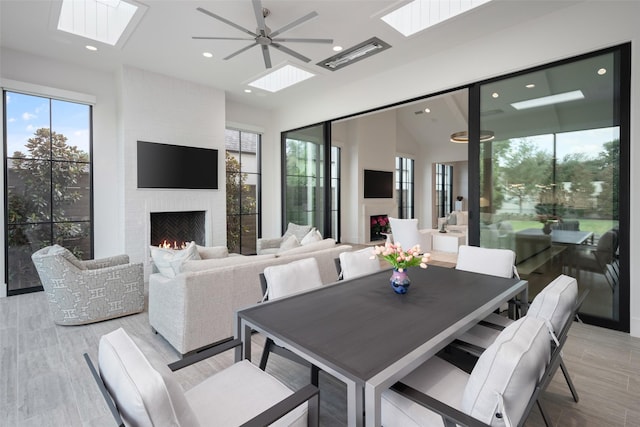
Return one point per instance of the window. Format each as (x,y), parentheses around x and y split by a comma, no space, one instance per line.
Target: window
(242,159)
(311,186)
(49,186)
(404,187)
(444,189)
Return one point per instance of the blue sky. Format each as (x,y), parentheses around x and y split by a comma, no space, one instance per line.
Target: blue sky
(26,113)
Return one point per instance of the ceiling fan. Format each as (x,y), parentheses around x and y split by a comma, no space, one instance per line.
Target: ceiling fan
(263,36)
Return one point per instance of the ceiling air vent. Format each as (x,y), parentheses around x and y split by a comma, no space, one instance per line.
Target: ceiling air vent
(349,56)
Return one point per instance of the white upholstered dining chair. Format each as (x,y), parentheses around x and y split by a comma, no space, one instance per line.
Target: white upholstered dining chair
(140,391)
(500,390)
(279,281)
(406,233)
(358,263)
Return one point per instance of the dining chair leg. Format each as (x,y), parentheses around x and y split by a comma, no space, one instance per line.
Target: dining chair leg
(545,417)
(265,353)
(565,372)
(315,373)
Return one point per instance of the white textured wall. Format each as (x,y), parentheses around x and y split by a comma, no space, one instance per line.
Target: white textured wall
(163,109)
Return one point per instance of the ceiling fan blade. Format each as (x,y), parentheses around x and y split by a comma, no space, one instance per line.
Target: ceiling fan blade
(257,9)
(266,56)
(220,38)
(226,21)
(241,50)
(290,52)
(299,40)
(294,23)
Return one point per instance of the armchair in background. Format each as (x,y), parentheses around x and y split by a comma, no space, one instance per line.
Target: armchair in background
(81,292)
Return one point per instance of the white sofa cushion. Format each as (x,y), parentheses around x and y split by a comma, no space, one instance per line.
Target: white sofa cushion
(505,375)
(211,252)
(308,248)
(311,237)
(208,264)
(297,276)
(358,263)
(169,261)
(144,396)
(288,243)
(296,230)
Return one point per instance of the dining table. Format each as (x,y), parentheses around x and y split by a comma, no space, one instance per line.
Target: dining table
(367,336)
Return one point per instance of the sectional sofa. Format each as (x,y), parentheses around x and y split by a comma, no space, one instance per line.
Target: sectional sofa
(197,306)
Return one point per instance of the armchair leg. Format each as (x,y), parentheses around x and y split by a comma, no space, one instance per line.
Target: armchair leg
(545,417)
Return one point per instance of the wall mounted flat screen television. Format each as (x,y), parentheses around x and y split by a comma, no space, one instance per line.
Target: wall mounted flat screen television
(176,166)
(378,184)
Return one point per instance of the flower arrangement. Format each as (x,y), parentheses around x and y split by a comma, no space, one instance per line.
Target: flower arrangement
(380,224)
(399,258)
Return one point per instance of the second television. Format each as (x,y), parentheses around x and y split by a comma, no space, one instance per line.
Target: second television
(378,184)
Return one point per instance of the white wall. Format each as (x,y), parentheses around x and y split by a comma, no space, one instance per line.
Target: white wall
(574,30)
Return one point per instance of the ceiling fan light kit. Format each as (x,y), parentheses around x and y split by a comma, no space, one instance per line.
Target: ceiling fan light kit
(263,36)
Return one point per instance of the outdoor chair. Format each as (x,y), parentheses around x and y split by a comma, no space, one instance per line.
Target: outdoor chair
(500,390)
(141,391)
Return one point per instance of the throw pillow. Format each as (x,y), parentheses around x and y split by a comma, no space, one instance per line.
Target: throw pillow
(289,243)
(312,236)
(169,261)
(296,230)
(211,252)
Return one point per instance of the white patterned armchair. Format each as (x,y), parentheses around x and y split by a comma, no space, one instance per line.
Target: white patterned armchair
(81,292)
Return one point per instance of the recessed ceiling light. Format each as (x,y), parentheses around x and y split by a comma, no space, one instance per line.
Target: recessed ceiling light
(549,100)
(92,48)
(530,86)
(247,91)
(602,71)
(495,95)
(337,48)
(281,78)
(421,14)
(207,54)
(427,110)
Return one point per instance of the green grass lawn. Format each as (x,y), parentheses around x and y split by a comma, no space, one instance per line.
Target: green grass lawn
(598,226)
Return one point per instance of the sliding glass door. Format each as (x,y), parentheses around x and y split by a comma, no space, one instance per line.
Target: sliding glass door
(553,182)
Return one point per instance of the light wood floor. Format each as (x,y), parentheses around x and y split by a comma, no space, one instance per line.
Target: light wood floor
(45,382)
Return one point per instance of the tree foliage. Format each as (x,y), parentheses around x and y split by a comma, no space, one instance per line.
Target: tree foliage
(240,201)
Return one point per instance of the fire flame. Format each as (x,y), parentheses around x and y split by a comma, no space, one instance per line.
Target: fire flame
(166,245)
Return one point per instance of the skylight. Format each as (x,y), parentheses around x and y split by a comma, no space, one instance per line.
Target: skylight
(281,78)
(549,100)
(421,14)
(101,20)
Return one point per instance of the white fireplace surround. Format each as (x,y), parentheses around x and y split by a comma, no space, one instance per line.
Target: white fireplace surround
(371,208)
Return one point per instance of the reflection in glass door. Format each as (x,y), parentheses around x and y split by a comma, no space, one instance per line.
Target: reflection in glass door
(552,178)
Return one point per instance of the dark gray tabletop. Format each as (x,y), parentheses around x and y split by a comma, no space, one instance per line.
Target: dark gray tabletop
(562,237)
(360,326)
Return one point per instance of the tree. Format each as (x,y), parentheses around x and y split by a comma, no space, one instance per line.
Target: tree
(609,174)
(240,200)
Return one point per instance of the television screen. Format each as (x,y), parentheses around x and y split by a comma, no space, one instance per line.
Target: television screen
(176,166)
(378,184)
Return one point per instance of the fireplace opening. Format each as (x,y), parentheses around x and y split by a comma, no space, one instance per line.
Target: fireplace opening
(379,224)
(175,229)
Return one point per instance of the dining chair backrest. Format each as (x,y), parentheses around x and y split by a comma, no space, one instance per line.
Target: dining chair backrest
(297,276)
(504,379)
(555,302)
(406,233)
(142,392)
(358,263)
(494,262)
